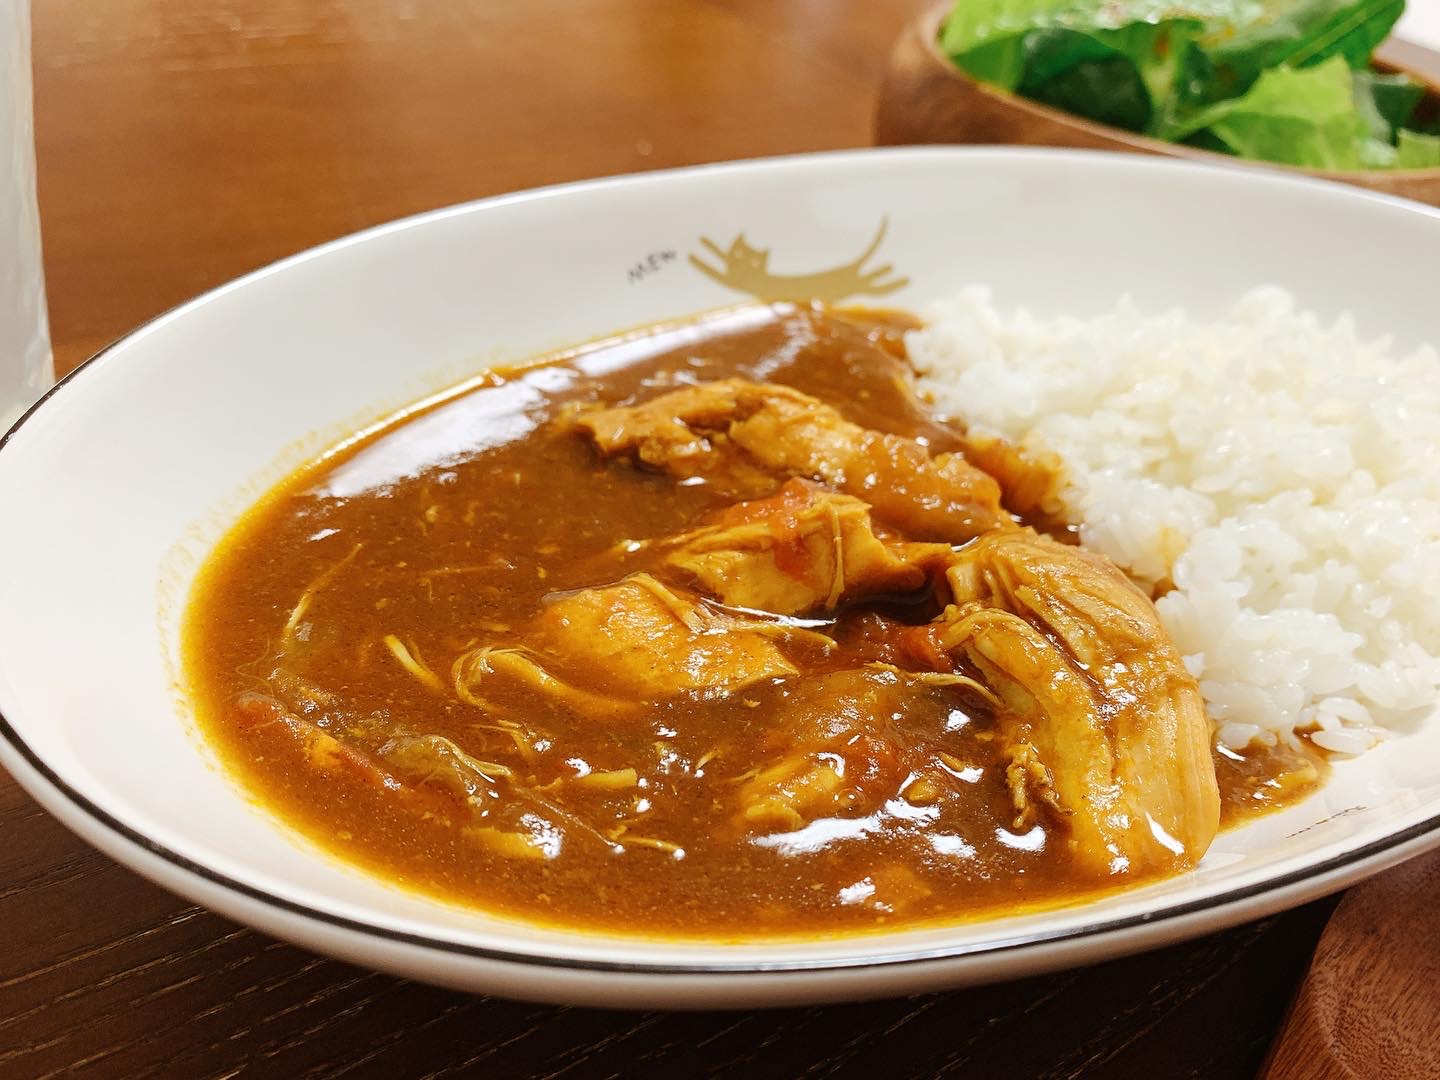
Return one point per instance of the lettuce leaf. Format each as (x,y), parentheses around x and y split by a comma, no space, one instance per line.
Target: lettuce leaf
(1230,74)
(1417,151)
(1298,33)
(1010,42)
(1297,117)
(1114,76)
(987,40)
(1386,101)
(1376,154)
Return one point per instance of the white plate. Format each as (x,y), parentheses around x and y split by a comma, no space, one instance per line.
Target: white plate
(117,483)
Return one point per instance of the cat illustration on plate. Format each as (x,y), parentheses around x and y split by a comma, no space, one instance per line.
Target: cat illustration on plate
(746,268)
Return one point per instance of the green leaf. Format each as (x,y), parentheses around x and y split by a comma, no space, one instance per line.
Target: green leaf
(1302,117)
(1417,151)
(1180,68)
(1112,76)
(973,23)
(1163,54)
(994,39)
(1000,62)
(1298,33)
(1376,154)
(1092,81)
(1114,61)
(1205,141)
(1349,29)
(1386,101)
(987,39)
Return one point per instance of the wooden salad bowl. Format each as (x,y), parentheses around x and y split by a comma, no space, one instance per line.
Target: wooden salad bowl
(926,99)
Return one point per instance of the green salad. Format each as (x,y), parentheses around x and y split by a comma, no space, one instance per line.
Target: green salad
(1277,80)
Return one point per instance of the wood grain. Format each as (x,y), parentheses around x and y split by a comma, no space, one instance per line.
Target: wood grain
(182,142)
(105,975)
(1369,1005)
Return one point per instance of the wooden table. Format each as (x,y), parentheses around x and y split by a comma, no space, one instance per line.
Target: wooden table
(182,142)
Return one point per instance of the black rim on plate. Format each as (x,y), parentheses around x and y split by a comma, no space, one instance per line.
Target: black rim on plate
(108,821)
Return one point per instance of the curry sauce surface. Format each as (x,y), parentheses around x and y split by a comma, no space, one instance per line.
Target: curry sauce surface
(346,598)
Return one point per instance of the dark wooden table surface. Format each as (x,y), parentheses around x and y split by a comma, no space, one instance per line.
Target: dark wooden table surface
(182,142)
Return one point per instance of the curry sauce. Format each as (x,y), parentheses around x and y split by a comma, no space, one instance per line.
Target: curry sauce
(522,652)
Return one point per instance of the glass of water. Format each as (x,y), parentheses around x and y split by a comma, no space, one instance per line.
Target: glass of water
(25,365)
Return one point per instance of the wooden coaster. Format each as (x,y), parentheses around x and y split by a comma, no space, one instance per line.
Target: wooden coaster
(1370,1006)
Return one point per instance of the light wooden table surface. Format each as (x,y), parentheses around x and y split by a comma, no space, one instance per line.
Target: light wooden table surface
(182,142)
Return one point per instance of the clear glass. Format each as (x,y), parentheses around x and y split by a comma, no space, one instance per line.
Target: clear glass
(25,365)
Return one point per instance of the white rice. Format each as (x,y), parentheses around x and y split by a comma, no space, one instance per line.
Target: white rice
(1283,474)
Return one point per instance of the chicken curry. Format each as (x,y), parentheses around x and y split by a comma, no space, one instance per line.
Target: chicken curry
(714,631)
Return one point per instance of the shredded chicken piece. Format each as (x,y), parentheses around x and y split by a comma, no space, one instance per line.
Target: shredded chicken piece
(1031,783)
(474,668)
(1029,480)
(791,792)
(802,549)
(514,811)
(1105,727)
(289,635)
(337,756)
(408,656)
(836,753)
(640,639)
(743,436)
(438,761)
